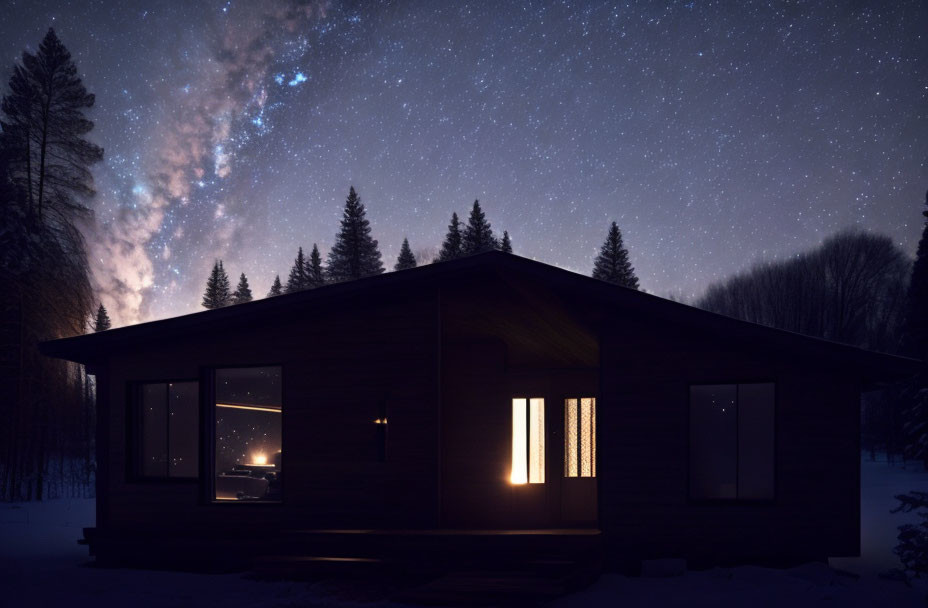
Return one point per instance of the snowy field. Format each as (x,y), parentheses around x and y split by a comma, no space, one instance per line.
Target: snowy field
(41,565)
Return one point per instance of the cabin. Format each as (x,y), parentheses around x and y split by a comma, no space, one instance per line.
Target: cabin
(483,407)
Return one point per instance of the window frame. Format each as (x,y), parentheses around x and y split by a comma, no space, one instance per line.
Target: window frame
(528,443)
(761,502)
(593,433)
(208,437)
(133,431)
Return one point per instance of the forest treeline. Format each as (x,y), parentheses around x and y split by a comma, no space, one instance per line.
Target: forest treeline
(46,405)
(857,288)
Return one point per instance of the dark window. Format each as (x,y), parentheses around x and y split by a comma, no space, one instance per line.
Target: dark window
(732,441)
(248,434)
(167,429)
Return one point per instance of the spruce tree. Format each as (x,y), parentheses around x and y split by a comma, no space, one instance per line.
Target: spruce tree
(478,235)
(217,292)
(917,313)
(102,322)
(43,125)
(276,288)
(451,247)
(355,252)
(506,245)
(406,259)
(612,263)
(297,279)
(242,292)
(315,275)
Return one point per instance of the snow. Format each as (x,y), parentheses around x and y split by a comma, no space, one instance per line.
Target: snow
(41,564)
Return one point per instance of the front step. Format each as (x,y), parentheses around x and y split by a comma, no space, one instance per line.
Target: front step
(486,587)
(305,567)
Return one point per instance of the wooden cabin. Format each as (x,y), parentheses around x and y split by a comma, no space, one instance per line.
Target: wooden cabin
(470,408)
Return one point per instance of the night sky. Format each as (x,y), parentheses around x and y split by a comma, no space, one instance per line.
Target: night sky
(715,135)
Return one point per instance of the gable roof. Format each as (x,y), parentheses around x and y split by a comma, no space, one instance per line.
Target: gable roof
(90,347)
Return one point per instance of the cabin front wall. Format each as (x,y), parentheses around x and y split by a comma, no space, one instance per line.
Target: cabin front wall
(503,339)
(645,507)
(340,368)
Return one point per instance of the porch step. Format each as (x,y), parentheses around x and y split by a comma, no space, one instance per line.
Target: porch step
(479,588)
(305,567)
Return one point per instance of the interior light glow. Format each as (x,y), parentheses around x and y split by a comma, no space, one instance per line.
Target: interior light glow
(258,408)
(519,443)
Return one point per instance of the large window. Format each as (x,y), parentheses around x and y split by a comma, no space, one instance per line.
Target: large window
(580,437)
(732,441)
(528,440)
(248,434)
(166,429)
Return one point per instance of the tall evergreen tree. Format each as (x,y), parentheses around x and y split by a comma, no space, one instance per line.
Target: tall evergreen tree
(355,252)
(315,275)
(276,288)
(297,279)
(451,248)
(242,292)
(612,263)
(478,235)
(914,395)
(406,259)
(102,321)
(917,315)
(217,292)
(506,245)
(43,126)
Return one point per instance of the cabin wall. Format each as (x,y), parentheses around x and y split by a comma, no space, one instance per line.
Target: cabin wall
(645,511)
(339,365)
(502,339)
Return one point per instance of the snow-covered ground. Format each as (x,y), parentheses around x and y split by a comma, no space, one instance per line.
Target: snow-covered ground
(42,565)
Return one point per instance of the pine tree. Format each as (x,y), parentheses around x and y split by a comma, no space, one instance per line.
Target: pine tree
(44,126)
(451,247)
(297,279)
(478,235)
(315,275)
(276,288)
(612,263)
(217,292)
(506,245)
(406,259)
(355,252)
(917,314)
(242,292)
(102,322)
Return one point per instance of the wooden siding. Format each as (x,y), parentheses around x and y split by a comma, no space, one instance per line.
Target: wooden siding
(338,368)
(645,511)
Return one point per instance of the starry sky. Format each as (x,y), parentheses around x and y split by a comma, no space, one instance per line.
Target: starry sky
(716,133)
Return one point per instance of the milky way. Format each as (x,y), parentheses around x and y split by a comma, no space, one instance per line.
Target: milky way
(715,135)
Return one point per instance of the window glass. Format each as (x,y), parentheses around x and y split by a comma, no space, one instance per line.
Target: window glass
(580,437)
(571,435)
(755,441)
(184,429)
(528,440)
(732,448)
(154,431)
(248,434)
(713,441)
(168,429)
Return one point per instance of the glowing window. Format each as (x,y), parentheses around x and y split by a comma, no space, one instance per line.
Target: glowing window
(248,434)
(580,437)
(528,440)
